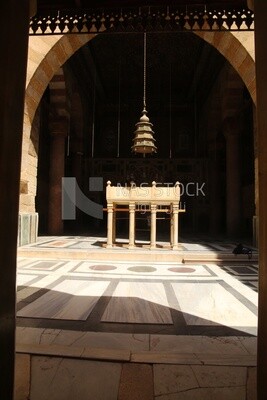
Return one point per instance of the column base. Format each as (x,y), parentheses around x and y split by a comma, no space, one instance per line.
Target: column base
(27,228)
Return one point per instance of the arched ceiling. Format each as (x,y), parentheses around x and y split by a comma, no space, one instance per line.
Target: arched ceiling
(181,71)
(182,63)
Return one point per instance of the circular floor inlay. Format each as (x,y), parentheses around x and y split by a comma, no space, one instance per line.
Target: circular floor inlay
(181,270)
(142,269)
(102,267)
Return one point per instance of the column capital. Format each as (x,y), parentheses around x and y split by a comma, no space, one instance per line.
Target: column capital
(109,207)
(175,208)
(132,207)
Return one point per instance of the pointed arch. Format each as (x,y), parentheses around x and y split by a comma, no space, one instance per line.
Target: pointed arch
(48,53)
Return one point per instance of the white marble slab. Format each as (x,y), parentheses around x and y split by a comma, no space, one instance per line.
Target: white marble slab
(22,279)
(211,304)
(196,247)
(138,302)
(246,291)
(70,299)
(56,378)
(24,261)
(200,344)
(99,340)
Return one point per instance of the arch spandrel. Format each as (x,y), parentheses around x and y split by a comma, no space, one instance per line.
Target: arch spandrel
(238,49)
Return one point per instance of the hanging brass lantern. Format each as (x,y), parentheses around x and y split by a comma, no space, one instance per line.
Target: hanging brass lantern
(144,142)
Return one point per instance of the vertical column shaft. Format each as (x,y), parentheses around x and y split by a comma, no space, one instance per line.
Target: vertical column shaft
(261,81)
(175,210)
(110,225)
(171,229)
(13,64)
(114,227)
(131,225)
(58,131)
(153,227)
(233,184)
(216,214)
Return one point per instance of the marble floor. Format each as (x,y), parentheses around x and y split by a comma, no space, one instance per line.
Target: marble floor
(39,377)
(170,298)
(150,328)
(194,244)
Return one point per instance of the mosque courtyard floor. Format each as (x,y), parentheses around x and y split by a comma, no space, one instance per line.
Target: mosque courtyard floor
(165,324)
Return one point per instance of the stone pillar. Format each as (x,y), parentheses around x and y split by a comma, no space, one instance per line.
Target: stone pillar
(215,206)
(58,132)
(131,225)
(110,225)
(76,159)
(14,28)
(153,227)
(256,174)
(114,227)
(175,210)
(233,185)
(215,188)
(171,228)
(260,8)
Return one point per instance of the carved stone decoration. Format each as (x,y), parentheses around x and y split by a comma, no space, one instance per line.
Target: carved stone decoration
(153,200)
(156,19)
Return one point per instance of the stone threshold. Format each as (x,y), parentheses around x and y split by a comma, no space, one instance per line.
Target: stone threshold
(137,255)
(148,357)
(192,258)
(102,254)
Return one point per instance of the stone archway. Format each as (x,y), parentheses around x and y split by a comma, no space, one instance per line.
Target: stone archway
(48,54)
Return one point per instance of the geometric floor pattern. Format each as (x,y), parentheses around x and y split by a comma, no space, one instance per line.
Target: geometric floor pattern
(137,297)
(90,242)
(125,328)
